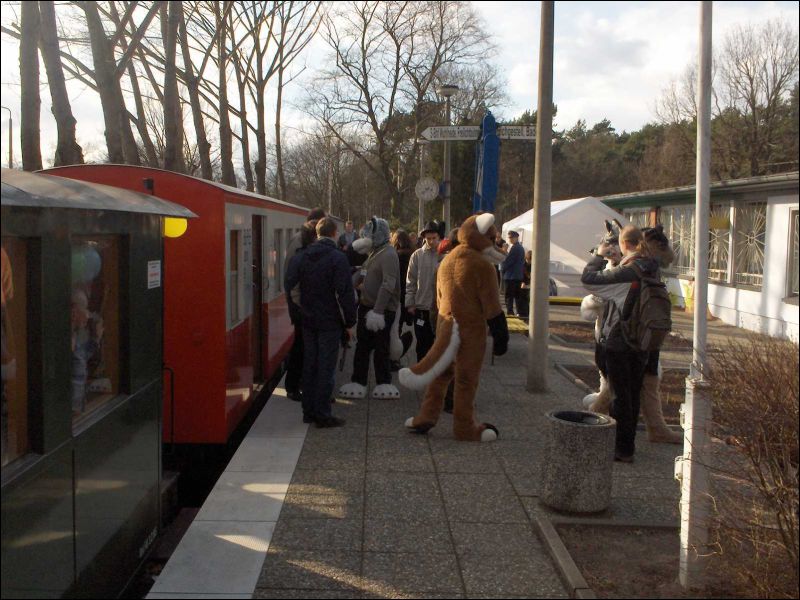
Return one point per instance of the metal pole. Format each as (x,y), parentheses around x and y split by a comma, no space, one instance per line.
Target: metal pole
(10,139)
(446,205)
(330,177)
(540,292)
(420,224)
(695,505)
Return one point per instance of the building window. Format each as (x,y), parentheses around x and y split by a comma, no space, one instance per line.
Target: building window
(638,216)
(94,318)
(15,349)
(750,235)
(678,222)
(794,256)
(719,238)
(233,276)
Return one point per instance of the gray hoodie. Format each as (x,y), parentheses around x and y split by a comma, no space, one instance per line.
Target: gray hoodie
(421,278)
(381,289)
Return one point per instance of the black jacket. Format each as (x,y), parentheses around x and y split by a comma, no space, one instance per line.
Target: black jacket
(327,298)
(619,286)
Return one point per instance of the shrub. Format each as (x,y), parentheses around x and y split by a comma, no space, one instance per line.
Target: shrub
(754,385)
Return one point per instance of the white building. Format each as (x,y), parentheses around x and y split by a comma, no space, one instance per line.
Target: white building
(753,251)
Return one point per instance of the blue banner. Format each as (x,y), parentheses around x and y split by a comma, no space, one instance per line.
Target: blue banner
(486,167)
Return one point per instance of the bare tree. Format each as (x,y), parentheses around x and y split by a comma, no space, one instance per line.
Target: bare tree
(298,25)
(387,59)
(171,17)
(68,152)
(30,26)
(755,73)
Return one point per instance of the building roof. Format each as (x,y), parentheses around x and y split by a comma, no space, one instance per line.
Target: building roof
(687,193)
(20,188)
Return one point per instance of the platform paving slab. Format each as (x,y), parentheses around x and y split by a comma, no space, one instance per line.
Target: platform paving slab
(373,511)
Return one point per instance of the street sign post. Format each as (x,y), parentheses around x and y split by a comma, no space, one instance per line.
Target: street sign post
(466,133)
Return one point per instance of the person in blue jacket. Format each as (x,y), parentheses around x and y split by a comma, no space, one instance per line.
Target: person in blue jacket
(620,287)
(328,307)
(513,269)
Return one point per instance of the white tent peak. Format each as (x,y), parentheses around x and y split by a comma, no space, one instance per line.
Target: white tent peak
(576,225)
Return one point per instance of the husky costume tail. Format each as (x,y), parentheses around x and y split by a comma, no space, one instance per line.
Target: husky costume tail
(439,357)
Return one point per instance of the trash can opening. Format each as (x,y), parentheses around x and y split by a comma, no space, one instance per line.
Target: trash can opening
(584,418)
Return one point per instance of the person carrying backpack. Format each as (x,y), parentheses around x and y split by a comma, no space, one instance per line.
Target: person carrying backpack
(633,325)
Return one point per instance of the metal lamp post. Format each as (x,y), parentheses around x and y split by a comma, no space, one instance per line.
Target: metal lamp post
(10,139)
(447,90)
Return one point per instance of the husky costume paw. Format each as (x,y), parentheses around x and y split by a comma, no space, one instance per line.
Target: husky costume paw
(591,307)
(385,391)
(375,321)
(588,400)
(489,434)
(352,390)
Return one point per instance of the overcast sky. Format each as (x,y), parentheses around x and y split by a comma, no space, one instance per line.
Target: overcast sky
(612,59)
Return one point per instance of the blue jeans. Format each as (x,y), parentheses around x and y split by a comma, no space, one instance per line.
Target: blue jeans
(320,351)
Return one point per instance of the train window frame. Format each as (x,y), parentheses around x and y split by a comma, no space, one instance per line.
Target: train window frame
(793,259)
(107,332)
(233,250)
(16,280)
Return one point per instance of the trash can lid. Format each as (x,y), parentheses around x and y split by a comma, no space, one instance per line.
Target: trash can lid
(581,417)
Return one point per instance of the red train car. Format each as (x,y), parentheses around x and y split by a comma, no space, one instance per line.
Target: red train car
(226,322)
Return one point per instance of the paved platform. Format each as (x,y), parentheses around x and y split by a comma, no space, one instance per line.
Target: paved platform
(370,510)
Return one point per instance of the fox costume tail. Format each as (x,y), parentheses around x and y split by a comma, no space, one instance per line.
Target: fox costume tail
(439,357)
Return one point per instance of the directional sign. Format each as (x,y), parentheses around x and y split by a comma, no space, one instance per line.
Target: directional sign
(467,132)
(516,132)
(473,132)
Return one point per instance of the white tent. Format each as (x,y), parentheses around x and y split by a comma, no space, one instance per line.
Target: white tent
(576,226)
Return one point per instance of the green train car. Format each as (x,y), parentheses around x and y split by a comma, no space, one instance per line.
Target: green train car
(81,384)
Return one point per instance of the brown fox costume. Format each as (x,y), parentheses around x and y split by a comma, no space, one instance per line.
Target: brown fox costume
(467,297)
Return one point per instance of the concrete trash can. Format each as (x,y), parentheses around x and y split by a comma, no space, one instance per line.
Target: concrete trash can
(578,461)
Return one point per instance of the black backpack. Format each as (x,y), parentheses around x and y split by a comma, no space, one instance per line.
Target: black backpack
(650,320)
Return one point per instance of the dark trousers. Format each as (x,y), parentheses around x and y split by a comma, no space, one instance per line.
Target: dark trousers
(319,370)
(294,370)
(366,342)
(513,287)
(524,302)
(625,373)
(424,333)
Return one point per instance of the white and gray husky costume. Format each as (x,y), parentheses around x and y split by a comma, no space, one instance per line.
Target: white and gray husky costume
(381,287)
(593,309)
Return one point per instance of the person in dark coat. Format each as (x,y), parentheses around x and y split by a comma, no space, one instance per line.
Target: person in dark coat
(513,269)
(328,307)
(620,287)
(294,369)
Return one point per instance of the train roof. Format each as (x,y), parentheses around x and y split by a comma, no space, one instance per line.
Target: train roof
(20,188)
(221,186)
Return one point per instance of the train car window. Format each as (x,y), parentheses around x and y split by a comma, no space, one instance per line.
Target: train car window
(279,253)
(233,276)
(14,349)
(94,317)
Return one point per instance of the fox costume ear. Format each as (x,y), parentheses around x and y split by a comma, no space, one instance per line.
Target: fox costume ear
(609,228)
(484,222)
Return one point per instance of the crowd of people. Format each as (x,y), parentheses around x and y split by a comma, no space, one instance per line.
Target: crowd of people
(368,286)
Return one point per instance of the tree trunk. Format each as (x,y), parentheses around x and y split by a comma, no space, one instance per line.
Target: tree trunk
(261,137)
(278,157)
(248,170)
(225,135)
(173,115)
(30,131)
(141,119)
(104,68)
(68,152)
(203,147)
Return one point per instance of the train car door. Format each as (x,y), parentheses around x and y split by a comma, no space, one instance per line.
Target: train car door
(257,336)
